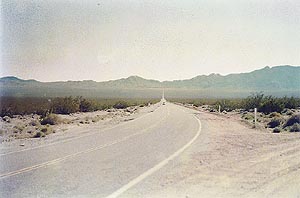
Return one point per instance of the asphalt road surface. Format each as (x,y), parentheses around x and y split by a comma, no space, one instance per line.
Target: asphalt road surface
(104,164)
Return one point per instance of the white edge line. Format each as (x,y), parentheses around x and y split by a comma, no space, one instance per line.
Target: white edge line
(156,167)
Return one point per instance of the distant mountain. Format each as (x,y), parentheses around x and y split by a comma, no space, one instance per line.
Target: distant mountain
(280,77)
(132,82)
(279,80)
(13,79)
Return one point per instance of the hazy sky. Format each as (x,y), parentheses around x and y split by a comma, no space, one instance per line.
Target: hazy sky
(51,40)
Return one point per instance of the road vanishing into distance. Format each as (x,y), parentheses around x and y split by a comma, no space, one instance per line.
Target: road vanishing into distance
(107,163)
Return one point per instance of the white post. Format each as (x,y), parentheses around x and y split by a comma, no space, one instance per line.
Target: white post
(219,109)
(255,112)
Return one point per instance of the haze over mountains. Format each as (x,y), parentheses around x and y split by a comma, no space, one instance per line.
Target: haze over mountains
(279,81)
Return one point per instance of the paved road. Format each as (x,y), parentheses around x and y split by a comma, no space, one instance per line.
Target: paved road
(104,164)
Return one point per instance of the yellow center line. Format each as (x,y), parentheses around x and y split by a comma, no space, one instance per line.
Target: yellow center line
(51,162)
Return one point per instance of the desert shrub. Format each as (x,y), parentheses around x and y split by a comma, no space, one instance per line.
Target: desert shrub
(51,119)
(86,105)
(39,134)
(6,119)
(275,122)
(47,130)
(95,119)
(44,130)
(253,101)
(270,104)
(276,130)
(292,120)
(120,105)
(295,127)
(197,103)
(19,128)
(10,106)
(65,105)
(274,115)
(34,123)
(290,103)
(289,112)
(247,116)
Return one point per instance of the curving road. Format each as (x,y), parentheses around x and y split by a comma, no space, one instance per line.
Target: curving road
(103,164)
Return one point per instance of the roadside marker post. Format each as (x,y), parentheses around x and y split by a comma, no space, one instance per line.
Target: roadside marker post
(255,112)
(219,109)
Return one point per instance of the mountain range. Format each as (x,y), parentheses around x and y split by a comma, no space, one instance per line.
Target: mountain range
(278,80)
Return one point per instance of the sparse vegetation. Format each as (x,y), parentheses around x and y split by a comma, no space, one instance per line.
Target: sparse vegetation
(264,104)
(295,128)
(248,116)
(276,130)
(39,135)
(65,105)
(34,123)
(120,105)
(275,122)
(10,106)
(47,130)
(273,112)
(51,119)
(295,119)
(274,115)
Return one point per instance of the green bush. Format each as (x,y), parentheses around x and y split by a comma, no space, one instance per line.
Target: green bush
(268,104)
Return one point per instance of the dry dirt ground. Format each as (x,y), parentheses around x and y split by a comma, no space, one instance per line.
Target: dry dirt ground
(230,159)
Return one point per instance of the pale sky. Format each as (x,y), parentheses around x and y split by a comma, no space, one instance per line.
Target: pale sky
(52,40)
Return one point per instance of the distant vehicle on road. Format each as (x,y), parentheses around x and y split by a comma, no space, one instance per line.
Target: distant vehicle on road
(163,98)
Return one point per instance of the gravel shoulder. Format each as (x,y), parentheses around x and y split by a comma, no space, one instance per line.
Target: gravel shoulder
(229,159)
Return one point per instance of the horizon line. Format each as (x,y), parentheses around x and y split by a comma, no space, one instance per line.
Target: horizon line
(20,78)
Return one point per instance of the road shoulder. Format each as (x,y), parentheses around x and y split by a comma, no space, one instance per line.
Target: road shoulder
(229,159)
